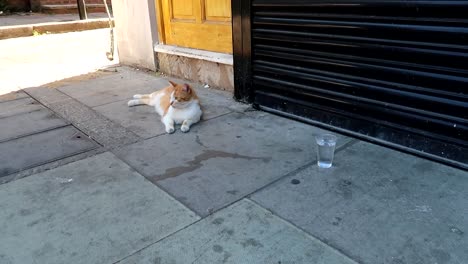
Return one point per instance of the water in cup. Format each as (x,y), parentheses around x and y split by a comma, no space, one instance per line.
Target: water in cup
(326,150)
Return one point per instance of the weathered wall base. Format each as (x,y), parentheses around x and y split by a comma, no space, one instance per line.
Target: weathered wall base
(135,32)
(217,75)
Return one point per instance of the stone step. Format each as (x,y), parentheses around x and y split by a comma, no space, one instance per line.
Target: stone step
(72,8)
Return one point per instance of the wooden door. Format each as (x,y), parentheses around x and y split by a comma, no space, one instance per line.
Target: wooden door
(199,24)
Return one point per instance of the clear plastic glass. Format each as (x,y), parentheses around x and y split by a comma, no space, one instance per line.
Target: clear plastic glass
(325,150)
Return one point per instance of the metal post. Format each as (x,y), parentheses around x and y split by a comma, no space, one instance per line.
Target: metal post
(82,9)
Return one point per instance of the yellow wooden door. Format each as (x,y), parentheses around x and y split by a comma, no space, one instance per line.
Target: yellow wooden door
(199,24)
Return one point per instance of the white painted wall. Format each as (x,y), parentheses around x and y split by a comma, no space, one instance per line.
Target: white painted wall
(136,32)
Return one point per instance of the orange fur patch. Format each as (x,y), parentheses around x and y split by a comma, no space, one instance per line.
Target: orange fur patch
(182,93)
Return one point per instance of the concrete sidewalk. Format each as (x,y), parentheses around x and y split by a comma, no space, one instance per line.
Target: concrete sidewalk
(34,61)
(86,179)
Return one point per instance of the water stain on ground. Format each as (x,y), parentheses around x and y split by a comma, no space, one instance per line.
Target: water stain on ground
(441,256)
(196,163)
(291,150)
(218,221)
(199,141)
(217,248)
(252,243)
(226,257)
(344,188)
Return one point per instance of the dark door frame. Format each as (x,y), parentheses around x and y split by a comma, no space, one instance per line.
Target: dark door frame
(242,50)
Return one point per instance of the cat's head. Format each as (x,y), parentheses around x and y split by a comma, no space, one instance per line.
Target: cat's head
(182,96)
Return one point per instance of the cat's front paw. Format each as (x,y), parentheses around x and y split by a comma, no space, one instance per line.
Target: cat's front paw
(170,130)
(184,128)
(132,103)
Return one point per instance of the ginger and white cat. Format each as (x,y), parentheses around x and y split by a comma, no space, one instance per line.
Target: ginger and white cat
(176,104)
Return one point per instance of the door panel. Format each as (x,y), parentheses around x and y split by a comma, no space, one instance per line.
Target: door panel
(217,10)
(199,24)
(183,10)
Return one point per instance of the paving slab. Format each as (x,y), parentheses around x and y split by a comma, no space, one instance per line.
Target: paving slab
(109,95)
(126,82)
(12,96)
(19,106)
(379,206)
(224,159)
(29,123)
(113,87)
(46,95)
(33,150)
(95,125)
(145,122)
(141,120)
(241,233)
(96,210)
(51,165)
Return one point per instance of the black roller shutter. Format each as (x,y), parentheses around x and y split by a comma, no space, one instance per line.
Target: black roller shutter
(393,72)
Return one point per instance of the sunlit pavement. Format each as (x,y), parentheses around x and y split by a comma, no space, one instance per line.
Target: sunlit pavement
(34,61)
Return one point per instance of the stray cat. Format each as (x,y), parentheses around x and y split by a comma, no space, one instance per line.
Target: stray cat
(176,104)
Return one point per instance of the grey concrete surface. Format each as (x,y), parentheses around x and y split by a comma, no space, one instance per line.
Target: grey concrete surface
(374,206)
(29,123)
(12,96)
(224,159)
(145,122)
(34,138)
(242,233)
(109,95)
(96,210)
(52,164)
(379,206)
(20,106)
(113,86)
(95,125)
(142,120)
(37,149)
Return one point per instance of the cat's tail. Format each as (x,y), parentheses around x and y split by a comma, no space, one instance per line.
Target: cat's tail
(140,99)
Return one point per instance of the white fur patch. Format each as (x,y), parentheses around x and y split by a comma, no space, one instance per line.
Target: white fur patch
(133,102)
(156,101)
(191,112)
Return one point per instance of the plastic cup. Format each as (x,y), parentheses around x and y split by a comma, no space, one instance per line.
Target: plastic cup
(326,150)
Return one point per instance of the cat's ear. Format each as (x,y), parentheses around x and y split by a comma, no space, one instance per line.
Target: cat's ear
(173,83)
(186,88)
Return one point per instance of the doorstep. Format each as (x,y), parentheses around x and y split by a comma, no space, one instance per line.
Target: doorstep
(212,68)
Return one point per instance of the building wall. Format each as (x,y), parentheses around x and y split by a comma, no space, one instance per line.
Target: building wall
(135,32)
(136,35)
